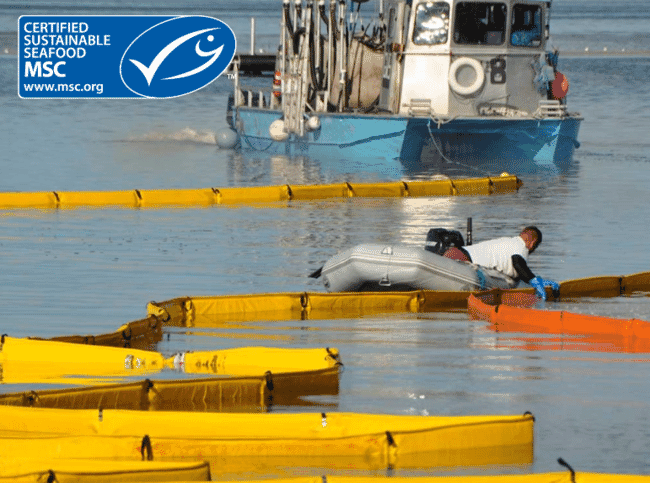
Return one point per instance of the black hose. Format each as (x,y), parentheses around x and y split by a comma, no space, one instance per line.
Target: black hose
(296,39)
(323,16)
(334,27)
(287,20)
(316,74)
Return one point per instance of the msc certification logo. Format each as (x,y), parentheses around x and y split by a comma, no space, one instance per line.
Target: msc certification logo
(177,56)
(120,56)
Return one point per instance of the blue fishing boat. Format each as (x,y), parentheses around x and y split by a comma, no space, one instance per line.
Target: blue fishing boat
(422,82)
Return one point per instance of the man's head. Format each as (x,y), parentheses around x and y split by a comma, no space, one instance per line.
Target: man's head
(532,236)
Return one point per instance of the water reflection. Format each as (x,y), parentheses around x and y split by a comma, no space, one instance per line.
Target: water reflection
(245,168)
(586,343)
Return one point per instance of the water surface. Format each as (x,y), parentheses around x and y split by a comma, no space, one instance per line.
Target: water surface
(89,271)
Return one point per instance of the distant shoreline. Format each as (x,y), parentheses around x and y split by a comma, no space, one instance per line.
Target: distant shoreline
(605,53)
(8,49)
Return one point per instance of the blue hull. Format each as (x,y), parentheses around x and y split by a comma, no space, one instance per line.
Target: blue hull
(481,142)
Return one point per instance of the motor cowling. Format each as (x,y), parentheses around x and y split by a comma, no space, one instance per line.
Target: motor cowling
(439,239)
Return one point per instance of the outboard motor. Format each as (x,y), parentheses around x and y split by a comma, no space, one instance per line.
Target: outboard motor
(439,239)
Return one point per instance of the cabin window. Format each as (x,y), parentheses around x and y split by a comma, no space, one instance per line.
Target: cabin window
(526,30)
(431,23)
(480,23)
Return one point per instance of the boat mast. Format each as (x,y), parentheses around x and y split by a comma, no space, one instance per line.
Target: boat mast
(342,55)
(331,32)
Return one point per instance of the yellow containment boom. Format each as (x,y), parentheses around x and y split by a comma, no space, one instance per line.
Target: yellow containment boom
(83,471)
(262,194)
(223,394)
(381,440)
(213,394)
(143,334)
(256,360)
(209,311)
(554,477)
(32,360)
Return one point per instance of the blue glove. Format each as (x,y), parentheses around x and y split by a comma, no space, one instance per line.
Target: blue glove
(539,283)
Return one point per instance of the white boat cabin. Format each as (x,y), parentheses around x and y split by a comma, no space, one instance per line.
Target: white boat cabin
(466,58)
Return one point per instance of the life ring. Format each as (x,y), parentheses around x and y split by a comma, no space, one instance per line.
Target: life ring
(474,86)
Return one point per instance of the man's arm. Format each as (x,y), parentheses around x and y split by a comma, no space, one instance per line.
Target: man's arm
(525,274)
(521,267)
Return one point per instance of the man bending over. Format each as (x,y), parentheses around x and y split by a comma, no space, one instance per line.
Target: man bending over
(508,255)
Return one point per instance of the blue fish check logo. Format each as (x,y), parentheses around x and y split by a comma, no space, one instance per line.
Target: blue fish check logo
(177,56)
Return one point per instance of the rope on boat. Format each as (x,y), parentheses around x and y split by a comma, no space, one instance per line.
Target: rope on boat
(439,149)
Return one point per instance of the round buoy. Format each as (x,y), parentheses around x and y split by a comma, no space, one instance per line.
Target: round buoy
(277,132)
(560,86)
(226,138)
(313,123)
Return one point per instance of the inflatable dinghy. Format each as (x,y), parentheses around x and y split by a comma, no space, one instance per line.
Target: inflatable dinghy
(375,267)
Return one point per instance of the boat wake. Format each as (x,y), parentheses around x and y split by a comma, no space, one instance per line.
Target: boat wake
(186,135)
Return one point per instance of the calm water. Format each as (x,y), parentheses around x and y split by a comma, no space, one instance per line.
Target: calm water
(89,271)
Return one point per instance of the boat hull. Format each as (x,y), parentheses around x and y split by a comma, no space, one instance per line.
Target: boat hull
(486,142)
(375,267)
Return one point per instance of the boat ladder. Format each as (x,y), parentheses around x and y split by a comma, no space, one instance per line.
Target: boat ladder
(293,102)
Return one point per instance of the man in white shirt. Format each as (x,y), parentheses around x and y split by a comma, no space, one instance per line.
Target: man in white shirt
(508,255)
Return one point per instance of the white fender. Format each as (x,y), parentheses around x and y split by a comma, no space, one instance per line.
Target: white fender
(474,86)
(277,132)
(313,123)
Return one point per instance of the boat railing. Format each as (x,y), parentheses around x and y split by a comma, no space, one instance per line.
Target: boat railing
(256,97)
(550,108)
(249,96)
(419,107)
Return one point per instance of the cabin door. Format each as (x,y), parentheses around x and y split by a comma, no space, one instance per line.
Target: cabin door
(425,89)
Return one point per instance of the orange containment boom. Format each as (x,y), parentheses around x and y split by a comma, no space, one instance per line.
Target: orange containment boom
(508,312)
